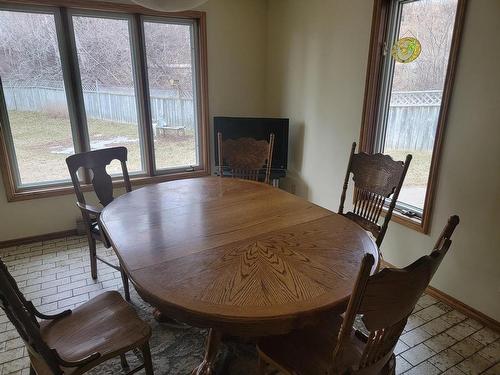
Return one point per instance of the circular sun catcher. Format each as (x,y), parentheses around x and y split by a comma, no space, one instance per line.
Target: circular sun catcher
(406,50)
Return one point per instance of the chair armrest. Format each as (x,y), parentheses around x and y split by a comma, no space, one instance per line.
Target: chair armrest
(89,208)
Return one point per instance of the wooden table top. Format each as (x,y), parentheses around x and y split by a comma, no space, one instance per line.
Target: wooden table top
(235,255)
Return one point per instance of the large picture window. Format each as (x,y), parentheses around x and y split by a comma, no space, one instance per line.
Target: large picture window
(407,96)
(75,80)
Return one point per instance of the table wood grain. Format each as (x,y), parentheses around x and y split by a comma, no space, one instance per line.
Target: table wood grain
(237,256)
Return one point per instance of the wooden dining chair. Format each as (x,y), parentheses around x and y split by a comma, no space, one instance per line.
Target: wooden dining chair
(75,341)
(246,158)
(95,162)
(377,177)
(384,301)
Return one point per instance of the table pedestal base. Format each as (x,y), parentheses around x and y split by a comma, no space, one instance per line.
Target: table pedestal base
(162,318)
(211,349)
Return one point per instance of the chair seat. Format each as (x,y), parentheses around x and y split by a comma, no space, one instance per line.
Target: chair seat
(309,351)
(106,324)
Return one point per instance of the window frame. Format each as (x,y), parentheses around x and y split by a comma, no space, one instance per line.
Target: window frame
(145,76)
(63,12)
(135,48)
(6,136)
(380,34)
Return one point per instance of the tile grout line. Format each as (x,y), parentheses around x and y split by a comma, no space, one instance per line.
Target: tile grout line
(449,347)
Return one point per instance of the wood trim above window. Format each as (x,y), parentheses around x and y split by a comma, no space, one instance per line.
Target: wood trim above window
(380,19)
(106,6)
(150,176)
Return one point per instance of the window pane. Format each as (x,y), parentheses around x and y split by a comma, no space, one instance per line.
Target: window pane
(30,68)
(416,92)
(106,70)
(170,64)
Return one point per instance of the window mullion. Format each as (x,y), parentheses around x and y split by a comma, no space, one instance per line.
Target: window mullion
(73,83)
(142,93)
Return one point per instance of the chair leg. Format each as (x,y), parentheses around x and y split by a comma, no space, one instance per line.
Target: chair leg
(126,288)
(392,370)
(123,361)
(390,367)
(261,366)
(93,257)
(148,363)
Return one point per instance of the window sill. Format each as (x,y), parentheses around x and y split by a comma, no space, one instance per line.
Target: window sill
(412,223)
(48,192)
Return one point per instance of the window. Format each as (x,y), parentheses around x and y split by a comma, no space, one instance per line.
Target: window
(75,80)
(406,102)
(170,57)
(38,125)
(107,75)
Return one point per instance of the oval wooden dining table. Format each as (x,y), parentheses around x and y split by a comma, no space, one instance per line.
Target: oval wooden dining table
(239,257)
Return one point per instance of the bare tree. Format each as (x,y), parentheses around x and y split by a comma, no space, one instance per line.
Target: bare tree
(168,50)
(29,52)
(28,48)
(431,21)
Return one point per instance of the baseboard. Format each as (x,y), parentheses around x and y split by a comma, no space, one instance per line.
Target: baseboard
(458,305)
(464,309)
(41,237)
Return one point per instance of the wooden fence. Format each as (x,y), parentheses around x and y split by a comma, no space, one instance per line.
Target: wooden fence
(406,110)
(101,104)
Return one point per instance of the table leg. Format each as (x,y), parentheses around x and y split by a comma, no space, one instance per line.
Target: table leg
(211,349)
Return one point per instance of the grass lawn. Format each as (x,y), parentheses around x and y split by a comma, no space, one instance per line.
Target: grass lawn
(415,185)
(43,142)
(418,173)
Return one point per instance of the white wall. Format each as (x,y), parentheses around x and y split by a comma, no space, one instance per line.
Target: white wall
(317,56)
(236,33)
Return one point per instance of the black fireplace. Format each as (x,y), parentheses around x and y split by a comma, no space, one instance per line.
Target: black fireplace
(257,128)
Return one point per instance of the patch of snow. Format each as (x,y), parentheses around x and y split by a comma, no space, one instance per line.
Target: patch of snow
(94,145)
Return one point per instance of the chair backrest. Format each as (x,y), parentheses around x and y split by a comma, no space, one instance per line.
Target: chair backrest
(96,161)
(385,300)
(376,177)
(20,313)
(246,158)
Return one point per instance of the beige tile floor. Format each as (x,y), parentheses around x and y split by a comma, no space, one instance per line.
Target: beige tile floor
(55,275)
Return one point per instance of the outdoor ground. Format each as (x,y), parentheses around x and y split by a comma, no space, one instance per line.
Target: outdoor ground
(43,142)
(415,185)
(418,173)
